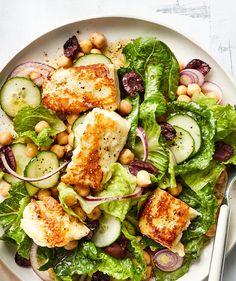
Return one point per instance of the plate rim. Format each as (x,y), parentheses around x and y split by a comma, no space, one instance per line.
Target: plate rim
(146,19)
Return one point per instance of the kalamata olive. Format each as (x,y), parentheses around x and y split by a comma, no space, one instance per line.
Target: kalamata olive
(167,131)
(92,225)
(68,155)
(132,83)
(223,151)
(22,261)
(138,165)
(71,47)
(199,65)
(118,249)
(7,151)
(99,276)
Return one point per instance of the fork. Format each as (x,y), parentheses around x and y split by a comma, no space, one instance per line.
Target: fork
(218,253)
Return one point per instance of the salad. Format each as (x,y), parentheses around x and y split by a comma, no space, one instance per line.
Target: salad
(113,161)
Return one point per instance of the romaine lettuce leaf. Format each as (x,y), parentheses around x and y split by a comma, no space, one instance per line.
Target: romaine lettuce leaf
(145,51)
(133,120)
(44,138)
(11,210)
(204,201)
(206,121)
(28,117)
(121,183)
(196,180)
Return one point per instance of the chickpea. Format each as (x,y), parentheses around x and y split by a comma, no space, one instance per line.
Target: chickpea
(34,75)
(41,125)
(147,257)
(71,245)
(184,98)
(148,273)
(214,95)
(95,51)
(58,150)
(181,90)
(43,148)
(64,62)
(71,139)
(68,148)
(86,46)
(31,150)
(71,118)
(125,107)
(4,188)
(80,212)
(6,138)
(82,190)
(193,89)
(70,200)
(62,138)
(43,193)
(95,214)
(98,40)
(176,190)
(126,156)
(143,178)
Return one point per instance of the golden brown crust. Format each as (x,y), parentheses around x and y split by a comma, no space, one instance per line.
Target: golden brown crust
(86,170)
(77,89)
(164,218)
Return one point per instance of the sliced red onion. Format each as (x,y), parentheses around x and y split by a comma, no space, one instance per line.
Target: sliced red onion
(25,69)
(10,158)
(209,86)
(167,261)
(190,76)
(13,173)
(138,191)
(44,275)
(89,203)
(141,134)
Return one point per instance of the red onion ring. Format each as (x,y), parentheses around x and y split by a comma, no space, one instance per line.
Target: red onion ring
(190,76)
(138,191)
(209,86)
(44,275)
(167,261)
(13,173)
(25,69)
(141,134)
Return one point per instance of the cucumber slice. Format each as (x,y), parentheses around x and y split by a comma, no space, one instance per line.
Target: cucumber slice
(19,151)
(17,93)
(32,190)
(43,163)
(108,231)
(78,121)
(182,146)
(92,59)
(190,125)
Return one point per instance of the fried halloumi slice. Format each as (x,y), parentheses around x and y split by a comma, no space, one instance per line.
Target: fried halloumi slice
(49,225)
(164,219)
(76,89)
(100,140)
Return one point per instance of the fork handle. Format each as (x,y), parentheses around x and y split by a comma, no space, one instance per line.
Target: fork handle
(218,254)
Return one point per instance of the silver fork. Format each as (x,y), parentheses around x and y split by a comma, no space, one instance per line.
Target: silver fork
(218,253)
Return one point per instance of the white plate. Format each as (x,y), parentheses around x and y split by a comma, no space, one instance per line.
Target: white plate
(46,48)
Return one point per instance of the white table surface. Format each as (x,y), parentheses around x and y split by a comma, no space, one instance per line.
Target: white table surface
(210,22)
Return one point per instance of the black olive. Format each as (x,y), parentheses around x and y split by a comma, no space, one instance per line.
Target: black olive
(132,83)
(22,261)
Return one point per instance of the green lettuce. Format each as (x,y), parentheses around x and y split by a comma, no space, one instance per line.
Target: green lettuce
(149,51)
(196,180)
(133,120)
(26,119)
(205,119)
(86,259)
(231,140)
(121,183)
(11,210)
